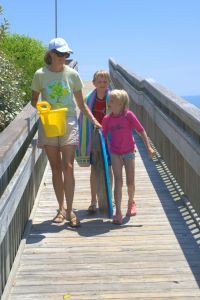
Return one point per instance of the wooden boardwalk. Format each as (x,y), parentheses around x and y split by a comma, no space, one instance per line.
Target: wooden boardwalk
(154,255)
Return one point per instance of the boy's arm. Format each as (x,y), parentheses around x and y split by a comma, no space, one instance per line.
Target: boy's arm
(105,127)
(145,140)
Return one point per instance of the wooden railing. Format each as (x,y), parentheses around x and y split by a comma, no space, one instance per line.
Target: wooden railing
(22,167)
(173,125)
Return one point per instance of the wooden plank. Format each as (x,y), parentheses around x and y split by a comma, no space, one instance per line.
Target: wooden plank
(154,255)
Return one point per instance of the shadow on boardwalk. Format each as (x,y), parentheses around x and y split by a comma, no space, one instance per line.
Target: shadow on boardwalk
(170,196)
(91,227)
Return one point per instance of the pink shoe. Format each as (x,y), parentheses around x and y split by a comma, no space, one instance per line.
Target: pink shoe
(117,219)
(131,211)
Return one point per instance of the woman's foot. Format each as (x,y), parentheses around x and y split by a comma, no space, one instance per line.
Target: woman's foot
(92,209)
(118,219)
(60,217)
(131,211)
(73,220)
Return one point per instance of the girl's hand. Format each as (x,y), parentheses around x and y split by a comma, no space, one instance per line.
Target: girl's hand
(151,152)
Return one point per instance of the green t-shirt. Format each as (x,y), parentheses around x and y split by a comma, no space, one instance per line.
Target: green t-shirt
(57,88)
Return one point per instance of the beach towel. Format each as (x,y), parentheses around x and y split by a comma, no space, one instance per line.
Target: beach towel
(83,150)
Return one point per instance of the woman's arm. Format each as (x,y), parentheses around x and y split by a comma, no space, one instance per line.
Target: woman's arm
(34,100)
(85,109)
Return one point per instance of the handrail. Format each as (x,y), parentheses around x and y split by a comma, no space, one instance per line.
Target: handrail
(172,123)
(20,160)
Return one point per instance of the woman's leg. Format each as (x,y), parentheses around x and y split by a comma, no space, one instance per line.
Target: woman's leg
(68,153)
(117,165)
(54,157)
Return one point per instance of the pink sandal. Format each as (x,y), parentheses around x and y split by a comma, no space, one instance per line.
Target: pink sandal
(117,219)
(131,211)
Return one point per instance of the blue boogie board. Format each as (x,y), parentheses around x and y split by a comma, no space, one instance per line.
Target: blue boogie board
(100,164)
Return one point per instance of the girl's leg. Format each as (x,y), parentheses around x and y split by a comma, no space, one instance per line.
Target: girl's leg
(129,165)
(117,165)
(54,157)
(68,154)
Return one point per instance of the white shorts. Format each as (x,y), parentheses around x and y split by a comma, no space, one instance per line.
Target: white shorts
(70,138)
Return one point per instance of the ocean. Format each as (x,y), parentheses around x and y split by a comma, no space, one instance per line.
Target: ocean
(193,99)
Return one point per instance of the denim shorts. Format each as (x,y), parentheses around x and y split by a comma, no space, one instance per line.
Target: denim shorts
(126,156)
(129,155)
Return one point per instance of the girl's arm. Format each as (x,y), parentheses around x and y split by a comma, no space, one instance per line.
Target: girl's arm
(85,109)
(135,124)
(145,140)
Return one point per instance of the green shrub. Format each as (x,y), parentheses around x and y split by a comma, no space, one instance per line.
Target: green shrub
(11,95)
(27,54)
(3,25)
(20,57)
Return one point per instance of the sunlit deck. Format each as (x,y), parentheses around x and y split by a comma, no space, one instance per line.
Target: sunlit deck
(154,255)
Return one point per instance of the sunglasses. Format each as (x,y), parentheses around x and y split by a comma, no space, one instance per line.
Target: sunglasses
(61,54)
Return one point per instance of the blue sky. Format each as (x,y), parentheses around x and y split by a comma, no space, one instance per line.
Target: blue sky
(156,39)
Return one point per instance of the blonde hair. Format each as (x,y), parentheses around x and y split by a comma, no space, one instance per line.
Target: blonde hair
(122,97)
(101,73)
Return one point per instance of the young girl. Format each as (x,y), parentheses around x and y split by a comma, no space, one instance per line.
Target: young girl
(119,124)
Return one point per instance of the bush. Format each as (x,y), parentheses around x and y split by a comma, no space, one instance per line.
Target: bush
(27,54)
(3,25)
(20,57)
(11,95)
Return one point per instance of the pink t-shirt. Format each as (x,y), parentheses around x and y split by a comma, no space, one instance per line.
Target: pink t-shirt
(121,140)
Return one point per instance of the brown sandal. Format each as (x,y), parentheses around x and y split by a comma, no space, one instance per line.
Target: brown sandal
(59,218)
(73,220)
(92,209)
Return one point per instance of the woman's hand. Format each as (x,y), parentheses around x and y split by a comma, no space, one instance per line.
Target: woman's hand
(96,123)
(85,109)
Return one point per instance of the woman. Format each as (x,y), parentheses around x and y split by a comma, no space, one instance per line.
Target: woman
(57,84)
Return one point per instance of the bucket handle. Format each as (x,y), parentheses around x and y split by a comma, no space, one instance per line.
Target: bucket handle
(43,106)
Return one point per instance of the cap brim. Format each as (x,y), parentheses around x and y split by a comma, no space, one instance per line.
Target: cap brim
(64,49)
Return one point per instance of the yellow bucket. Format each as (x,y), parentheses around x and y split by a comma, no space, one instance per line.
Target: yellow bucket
(53,120)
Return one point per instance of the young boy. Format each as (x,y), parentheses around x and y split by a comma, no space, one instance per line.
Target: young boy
(97,102)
